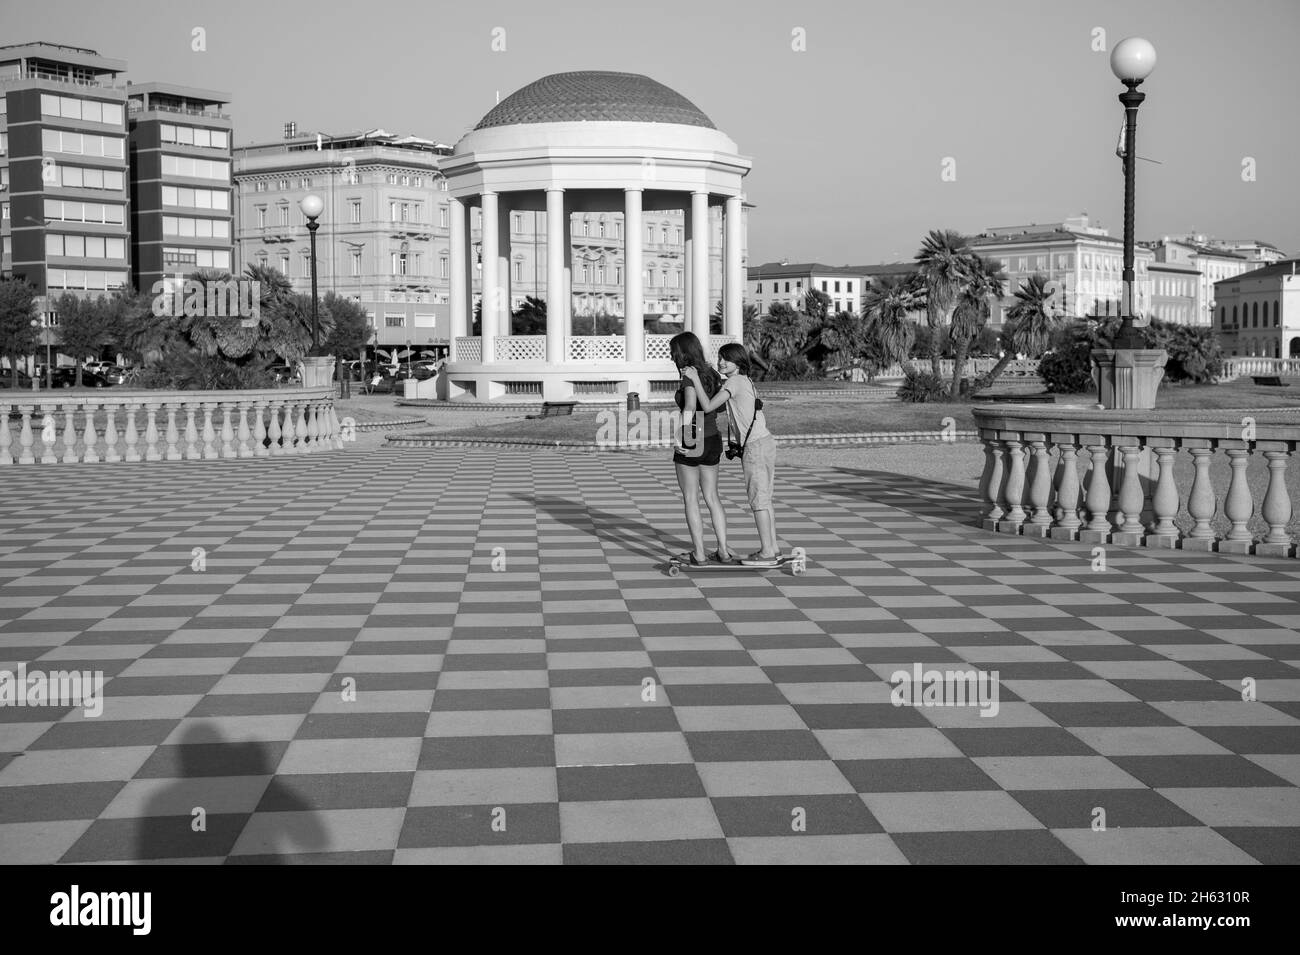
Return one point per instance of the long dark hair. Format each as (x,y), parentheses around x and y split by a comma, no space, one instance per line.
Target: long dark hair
(687,352)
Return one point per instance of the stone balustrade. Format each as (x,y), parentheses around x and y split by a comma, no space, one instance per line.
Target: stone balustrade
(1240,367)
(1134,486)
(119,425)
(1017,368)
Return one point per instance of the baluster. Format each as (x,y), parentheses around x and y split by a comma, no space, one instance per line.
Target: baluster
(991,481)
(1040,487)
(336,428)
(1097,530)
(191,434)
(276,435)
(88,437)
(1128,525)
(1238,504)
(69,432)
(1276,509)
(151,452)
(325,425)
(209,435)
(1164,502)
(227,432)
(287,431)
(244,434)
(1201,502)
(1015,485)
(110,433)
(1067,489)
(172,436)
(259,429)
(130,438)
(49,435)
(25,456)
(6,439)
(300,426)
(304,429)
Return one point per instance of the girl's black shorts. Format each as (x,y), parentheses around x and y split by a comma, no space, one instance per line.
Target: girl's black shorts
(712,454)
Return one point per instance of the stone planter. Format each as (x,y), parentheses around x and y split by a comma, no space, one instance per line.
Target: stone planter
(317,372)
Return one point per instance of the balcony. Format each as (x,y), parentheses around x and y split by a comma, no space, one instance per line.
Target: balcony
(134,107)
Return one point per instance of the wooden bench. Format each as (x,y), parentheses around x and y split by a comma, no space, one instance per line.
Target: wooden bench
(1272,381)
(554,409)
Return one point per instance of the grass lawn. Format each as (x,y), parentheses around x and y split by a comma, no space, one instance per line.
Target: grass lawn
(828,415)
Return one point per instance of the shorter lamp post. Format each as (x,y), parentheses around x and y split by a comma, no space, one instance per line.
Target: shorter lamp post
(312,206)
(36,381)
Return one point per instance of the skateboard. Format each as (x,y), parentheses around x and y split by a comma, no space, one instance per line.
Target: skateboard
(797,560)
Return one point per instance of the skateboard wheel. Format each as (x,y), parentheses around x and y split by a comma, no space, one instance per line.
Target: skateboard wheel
(798,554)
(797,568)
(673,570)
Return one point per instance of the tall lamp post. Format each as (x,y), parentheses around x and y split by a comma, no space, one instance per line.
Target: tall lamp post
(312,206)
(1129,373)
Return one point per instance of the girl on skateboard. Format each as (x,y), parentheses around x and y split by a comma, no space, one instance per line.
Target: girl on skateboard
(755,444)
(700,449)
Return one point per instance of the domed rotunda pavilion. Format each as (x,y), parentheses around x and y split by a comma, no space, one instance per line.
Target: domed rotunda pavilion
(575,143)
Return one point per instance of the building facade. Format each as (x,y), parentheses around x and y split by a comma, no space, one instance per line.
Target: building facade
(1211,265)
(179,149)
(788,283)
(1255,252)
(1259,311)
(64,189)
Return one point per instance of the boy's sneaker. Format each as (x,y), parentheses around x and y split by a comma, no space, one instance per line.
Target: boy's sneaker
(756,559)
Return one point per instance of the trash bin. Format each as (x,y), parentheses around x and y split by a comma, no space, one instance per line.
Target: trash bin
(410,388)
(633,401)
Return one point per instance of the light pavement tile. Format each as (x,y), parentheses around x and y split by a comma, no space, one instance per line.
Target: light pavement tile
(1271,691)
(1258,637)
(322,830)
(350,756)
(298,648)
(1055,772)
(1073,638)
(602,697)
(638,820)
(618,749)
(1172,846)
(1140,670)
(465,787)
(238,729)
(820,656)
(948,811)
(685,676)
(1285,766)
(395,663)
(1225,713)
(179,666)
(886,744)
(1207,651)
(703,718)
(238,683)
(909,639)
(482,855)
(460,645)
(1011,654)
(38,767)
(1235,806)
(772,778)
(39,843)
(142,798)
(972,717)
(873,849)
(16,737)
(598,661)
(1147,741)
(813,693)
(492,679)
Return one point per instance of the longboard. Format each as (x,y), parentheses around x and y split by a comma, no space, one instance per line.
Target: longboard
(797,560)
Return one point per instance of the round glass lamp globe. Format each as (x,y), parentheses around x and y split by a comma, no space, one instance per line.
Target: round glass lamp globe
(312,206)
(1133,59)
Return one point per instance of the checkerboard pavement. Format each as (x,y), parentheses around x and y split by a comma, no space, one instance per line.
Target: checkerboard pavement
(349,678)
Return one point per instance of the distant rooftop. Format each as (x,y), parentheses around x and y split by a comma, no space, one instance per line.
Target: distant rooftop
(780,270)
(39,56)
(312,141)
(1272,270)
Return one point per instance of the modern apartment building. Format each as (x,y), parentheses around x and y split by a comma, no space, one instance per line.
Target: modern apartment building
(1259,311)
(788,283)
(1256,253)
(64,190)
(383,235)
(180,161)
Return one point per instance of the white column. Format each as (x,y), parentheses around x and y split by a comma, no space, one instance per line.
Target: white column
(633,307)
(459,287)
(687,266)
(489,284)
(556,311)
(505,266)
(734,285)
(699,314)
(566,245)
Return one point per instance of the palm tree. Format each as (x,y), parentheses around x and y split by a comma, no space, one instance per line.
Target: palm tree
(942,263)
(1031,323)
(985,279)
(888,307)
(530,317)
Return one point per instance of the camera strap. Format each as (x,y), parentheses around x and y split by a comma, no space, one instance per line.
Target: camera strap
(758,406)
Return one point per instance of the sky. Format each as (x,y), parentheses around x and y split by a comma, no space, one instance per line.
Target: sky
(849,136)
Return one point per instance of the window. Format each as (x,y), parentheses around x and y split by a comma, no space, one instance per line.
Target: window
(93,111)
(261,217)
(85,144)
(442,266)
(193,168)
(196,198)
(354,210)
(442,217)
(787,286)
(200,228)
(105,213)
(518,223)
(394,321)
(519,271)
(848,286)
(837,286)
(823,286)
(284,213)
(83,279)
(304,183)
(284,262)
(759,289)
(356,262)
(207,258)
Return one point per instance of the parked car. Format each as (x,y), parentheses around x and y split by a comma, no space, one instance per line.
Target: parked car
(7,379)
(286,374)
(98,367)
(66,377)
(116,374)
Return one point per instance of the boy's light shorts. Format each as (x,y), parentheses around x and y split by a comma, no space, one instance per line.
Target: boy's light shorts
(760,472)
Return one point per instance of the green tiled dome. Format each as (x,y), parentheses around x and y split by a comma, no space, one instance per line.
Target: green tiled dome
(595,96)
